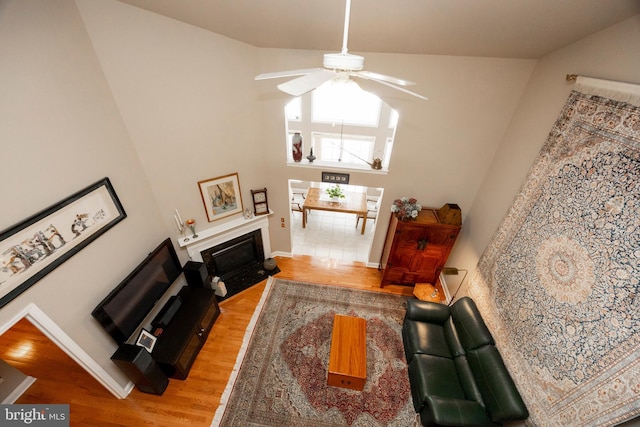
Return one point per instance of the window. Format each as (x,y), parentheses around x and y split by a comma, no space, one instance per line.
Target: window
(292,111)
(349,149)
(345,126)
(344,102)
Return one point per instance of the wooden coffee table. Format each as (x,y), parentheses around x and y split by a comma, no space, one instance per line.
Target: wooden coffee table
(348,358)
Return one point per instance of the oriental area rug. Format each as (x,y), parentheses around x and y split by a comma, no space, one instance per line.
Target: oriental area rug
(280,378)
(559,282)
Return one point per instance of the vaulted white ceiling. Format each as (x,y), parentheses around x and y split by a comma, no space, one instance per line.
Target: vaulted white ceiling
(489,28)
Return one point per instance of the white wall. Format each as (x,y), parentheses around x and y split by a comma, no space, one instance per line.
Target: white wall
(60,131)
(188,99)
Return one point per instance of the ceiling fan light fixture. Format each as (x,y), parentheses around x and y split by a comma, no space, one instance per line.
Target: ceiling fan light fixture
(343,61)
(337,66)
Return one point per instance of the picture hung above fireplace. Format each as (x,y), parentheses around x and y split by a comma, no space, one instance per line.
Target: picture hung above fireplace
(221,196)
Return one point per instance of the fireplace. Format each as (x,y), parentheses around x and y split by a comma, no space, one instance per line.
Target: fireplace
(234,251)
(230,258)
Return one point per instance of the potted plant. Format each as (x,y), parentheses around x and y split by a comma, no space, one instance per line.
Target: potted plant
(335,193)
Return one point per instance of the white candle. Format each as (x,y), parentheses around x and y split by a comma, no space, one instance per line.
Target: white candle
(178,223)
(179,217)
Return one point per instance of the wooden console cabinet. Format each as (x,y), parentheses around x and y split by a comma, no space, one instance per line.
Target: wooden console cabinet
(416,251)
(181,341)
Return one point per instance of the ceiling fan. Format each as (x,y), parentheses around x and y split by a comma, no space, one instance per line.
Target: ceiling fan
(337,66)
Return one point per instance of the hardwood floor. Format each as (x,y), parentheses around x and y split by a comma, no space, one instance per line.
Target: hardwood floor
(192,401)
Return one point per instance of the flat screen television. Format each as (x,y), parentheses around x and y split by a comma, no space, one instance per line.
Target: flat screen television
(126,306)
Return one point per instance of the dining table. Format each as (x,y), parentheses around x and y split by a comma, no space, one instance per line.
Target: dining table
(353,202)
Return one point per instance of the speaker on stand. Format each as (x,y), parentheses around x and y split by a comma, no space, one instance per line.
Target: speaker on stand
(196,274)
(138,364)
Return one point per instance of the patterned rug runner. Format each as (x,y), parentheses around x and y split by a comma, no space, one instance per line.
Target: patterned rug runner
(280,378)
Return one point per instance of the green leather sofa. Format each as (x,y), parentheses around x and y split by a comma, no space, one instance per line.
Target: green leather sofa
(457,376)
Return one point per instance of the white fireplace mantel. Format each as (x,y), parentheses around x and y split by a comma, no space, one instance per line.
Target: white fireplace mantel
(210,237)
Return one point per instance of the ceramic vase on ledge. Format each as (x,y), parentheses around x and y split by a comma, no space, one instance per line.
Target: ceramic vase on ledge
(296,144)
(311,157)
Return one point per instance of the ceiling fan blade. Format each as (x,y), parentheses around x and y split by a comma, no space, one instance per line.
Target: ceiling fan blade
(401,89)
(289,73)
(306,83)
(381,77)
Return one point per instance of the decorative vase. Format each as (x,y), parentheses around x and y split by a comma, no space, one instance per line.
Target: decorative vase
(311,157)
(192,225)
(269,264)
(296,144)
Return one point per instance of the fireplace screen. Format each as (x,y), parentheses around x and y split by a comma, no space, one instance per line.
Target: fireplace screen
(229,258)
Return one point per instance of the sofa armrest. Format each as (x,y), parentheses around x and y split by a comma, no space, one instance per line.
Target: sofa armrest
(427,311)
(444,411)
(498,390)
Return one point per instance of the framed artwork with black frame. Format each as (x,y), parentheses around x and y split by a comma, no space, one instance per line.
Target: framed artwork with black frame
(335,177)
(36,246)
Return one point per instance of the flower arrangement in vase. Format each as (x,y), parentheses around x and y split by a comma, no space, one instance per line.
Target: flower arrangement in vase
(406,208)
(335,192)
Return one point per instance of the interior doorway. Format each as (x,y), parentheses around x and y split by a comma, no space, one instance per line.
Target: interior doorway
(332,234)
(60,378)
(36,319)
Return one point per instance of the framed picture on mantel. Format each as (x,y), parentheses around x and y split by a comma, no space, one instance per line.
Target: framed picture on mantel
(221,196)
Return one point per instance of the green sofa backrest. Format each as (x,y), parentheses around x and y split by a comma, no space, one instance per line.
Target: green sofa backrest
(471,329)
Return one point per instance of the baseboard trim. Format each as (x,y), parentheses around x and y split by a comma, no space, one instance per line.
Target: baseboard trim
(282,254)
(18,391)
(369,264)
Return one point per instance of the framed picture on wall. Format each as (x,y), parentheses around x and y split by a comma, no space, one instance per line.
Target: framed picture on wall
(335,177)
(221,196)
(34,247)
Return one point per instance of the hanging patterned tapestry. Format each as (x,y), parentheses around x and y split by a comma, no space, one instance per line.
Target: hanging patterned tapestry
(558,283)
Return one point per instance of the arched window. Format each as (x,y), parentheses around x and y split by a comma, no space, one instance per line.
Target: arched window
(345,126)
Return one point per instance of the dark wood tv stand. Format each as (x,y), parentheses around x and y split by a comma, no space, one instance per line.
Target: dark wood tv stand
(181,340)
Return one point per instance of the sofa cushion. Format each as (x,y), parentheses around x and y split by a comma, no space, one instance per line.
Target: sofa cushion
(499,392)
(433,375)
(471,329)
(427,311)
(424,338)
(440,411)
(467,380)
